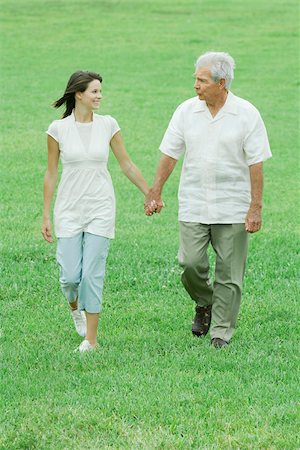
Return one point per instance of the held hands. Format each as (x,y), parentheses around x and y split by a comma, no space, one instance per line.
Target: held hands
(46,230)
(253,220)
(153,203)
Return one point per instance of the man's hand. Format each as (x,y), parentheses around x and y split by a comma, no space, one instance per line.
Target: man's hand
(153,203)
(253,220)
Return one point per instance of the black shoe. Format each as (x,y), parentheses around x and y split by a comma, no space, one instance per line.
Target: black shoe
(218,343)
(202,320)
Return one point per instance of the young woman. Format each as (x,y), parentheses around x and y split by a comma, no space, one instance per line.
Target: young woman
(84,212)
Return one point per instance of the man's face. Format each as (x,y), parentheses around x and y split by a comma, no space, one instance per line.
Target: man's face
(206,88)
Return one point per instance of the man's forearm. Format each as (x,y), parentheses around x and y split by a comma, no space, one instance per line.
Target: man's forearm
(256,177)
(253,219)
(153,201)
(164,170)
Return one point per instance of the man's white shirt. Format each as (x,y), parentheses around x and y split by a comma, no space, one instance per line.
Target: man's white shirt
(215,179)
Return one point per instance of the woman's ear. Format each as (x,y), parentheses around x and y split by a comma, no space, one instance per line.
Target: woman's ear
(78,95)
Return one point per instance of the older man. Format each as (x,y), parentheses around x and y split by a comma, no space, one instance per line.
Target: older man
(224,142)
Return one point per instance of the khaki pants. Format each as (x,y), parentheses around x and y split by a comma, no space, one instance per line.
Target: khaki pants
(230,243)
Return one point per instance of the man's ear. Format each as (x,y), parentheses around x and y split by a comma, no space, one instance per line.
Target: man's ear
(222,83)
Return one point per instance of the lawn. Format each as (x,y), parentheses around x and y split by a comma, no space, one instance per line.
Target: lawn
(150,385)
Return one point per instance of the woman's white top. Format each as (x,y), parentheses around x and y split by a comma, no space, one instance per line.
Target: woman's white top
(85,199)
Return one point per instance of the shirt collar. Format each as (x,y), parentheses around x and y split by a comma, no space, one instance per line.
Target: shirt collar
(230,106)
(72,116)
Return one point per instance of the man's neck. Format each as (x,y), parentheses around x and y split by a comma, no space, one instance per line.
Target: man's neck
(215,105)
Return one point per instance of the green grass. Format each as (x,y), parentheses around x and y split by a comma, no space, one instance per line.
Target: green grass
(151,385)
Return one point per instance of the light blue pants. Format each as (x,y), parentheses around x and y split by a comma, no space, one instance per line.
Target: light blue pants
(82,260)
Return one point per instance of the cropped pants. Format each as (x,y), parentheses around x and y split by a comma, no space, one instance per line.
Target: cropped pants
(82,261)
(230,243)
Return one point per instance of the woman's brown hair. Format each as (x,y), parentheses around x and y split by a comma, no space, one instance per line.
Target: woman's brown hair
(78,82)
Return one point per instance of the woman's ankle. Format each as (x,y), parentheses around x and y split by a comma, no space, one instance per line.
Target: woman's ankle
(93,342)
(73,305)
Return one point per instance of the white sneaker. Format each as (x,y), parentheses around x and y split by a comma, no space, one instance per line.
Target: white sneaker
(85,346)
(79,322)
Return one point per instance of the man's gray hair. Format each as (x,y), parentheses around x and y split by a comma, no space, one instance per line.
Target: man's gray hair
(220,64)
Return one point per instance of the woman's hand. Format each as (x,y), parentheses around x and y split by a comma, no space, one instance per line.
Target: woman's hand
(46,230)
(153,203)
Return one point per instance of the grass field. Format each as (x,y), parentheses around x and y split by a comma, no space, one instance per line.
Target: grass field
(151,385)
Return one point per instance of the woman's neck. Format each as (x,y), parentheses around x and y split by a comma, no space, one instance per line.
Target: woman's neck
(82,115)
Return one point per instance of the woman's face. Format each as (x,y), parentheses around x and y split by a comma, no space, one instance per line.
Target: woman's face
(91,97)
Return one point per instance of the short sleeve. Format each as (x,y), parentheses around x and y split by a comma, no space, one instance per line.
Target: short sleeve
(53,130)
(256,143)
(114,126)
(173,143)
